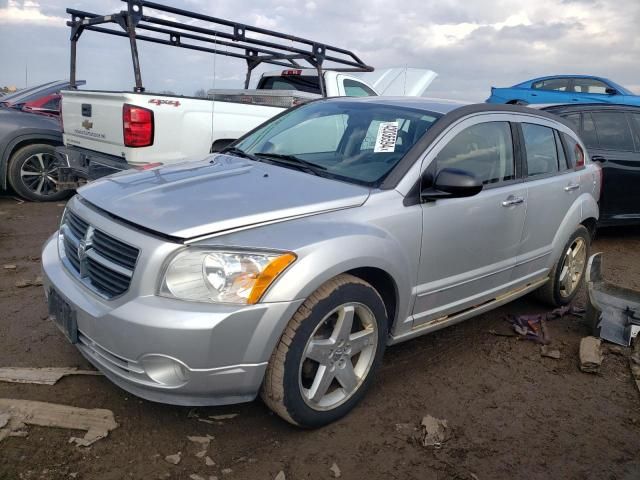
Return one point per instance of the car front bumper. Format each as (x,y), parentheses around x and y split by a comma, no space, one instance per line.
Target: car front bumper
(167,350)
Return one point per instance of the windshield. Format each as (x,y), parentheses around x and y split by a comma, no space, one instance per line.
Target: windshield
(359,142)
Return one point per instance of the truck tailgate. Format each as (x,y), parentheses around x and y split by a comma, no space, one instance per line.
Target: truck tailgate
(93,120)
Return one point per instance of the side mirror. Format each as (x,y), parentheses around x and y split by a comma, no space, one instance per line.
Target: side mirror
(611,91)
(452,183)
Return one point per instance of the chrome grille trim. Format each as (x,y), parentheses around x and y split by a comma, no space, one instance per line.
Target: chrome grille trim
(101,262)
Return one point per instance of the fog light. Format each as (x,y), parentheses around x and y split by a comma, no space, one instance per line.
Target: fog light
(165,370)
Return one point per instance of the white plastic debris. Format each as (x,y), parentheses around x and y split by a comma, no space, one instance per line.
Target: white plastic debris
(173,459)
(42,376)
(335,471)
(97,422)
(434,431)
(280,476)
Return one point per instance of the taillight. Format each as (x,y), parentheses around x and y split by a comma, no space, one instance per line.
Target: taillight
(579,154)
(60,116)
(137,126)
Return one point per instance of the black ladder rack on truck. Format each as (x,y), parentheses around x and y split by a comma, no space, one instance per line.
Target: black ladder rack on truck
(240,41)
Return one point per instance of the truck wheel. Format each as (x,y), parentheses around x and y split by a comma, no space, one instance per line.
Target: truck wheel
(328,353)
(33,173)
(567,275)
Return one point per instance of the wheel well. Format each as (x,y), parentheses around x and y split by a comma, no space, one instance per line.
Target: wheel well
(384,284)
(514,102)
(590,224)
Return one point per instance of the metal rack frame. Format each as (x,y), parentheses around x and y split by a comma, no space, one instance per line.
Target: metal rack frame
(253,44)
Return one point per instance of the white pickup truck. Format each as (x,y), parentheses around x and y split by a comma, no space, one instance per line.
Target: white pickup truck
(105,132)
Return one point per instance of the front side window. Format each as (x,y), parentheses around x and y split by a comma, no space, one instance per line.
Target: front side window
(540,148)
(357,89)
(485,150)
(613,130)
(557,84)
(589,85)
(346,140)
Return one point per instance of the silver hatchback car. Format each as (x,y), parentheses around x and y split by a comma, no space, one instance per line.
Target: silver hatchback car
(285,265)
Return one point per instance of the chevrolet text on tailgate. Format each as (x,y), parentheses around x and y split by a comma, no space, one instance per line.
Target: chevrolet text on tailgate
(105,132)
(284,266)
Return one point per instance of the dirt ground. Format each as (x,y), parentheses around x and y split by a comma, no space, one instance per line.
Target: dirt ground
(513,413)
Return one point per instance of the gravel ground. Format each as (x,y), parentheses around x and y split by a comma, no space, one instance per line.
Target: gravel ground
(512,413)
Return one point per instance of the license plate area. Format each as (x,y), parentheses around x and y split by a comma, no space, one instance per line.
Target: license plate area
(63,316)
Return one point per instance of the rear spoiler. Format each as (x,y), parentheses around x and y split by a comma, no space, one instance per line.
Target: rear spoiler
(254,45)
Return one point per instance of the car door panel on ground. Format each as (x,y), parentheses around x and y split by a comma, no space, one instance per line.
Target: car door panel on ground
(462,269)
(613,140)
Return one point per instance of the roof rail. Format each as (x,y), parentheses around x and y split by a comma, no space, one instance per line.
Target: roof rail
(253,44)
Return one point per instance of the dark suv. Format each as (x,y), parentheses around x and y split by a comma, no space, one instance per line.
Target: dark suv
(612,136)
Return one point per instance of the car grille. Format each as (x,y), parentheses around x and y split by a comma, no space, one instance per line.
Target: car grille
(102,262)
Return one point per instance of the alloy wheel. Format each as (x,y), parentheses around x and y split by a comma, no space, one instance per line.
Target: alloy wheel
(39,173)
(573,267)
(338,356)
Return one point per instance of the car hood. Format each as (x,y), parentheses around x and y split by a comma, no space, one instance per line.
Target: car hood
(218,194)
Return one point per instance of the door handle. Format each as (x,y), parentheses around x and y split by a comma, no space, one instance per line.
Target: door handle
(571,187)
(598,158)
(512,201)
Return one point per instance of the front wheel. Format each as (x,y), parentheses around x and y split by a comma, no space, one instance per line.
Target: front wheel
(328,353)
(567,275)
(33,173)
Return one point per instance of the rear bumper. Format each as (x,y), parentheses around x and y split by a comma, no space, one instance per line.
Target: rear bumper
(79,166)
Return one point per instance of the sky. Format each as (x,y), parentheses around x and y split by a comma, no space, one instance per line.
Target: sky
(471,44)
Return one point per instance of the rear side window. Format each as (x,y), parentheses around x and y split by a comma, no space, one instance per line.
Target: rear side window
(589,135)
(562,158)
(614,132)
(540,147)
(485,150)
(574,120)
(357,89)
(557,84)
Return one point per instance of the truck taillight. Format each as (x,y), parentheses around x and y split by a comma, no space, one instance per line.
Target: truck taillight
(137,126)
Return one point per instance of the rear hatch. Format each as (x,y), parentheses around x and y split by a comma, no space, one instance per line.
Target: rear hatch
(93,120)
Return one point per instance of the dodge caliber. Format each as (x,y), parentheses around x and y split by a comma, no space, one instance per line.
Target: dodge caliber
(284,265)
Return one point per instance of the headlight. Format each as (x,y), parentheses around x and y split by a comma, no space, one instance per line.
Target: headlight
(222,276)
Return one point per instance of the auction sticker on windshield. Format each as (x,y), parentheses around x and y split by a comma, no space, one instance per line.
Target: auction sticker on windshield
(387,137)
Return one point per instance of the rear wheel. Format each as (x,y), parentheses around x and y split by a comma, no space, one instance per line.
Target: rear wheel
(328,354)
(33,173)
(567,275)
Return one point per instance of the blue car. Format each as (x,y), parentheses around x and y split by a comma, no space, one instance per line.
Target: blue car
(565,89)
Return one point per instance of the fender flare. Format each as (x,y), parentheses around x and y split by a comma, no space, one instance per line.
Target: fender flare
(583,208)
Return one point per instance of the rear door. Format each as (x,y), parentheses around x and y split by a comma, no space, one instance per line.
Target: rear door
(552,90)
(469,245)
(614,142)
(552,187)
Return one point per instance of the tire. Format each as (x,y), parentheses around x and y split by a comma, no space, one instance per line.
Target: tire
(555,292)
(33,172)
(293,388)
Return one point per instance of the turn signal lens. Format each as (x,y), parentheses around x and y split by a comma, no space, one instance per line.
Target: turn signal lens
(268,275)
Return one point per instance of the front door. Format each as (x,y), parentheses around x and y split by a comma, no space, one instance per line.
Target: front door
(469,245)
